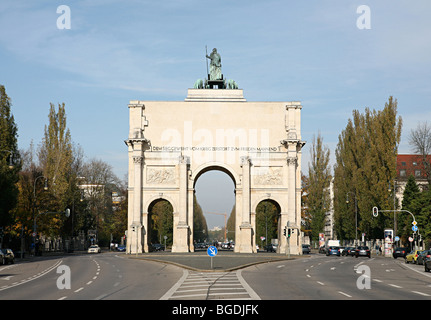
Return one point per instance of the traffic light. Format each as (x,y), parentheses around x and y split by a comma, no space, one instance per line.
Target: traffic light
(375,212)
(289,232)
(284,232)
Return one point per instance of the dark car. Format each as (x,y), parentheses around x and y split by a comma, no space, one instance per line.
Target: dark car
(427,264)
(333,251)
(305,249)
(8,256)
(157,247)
(423,256)
(400,252)
(349,251)
(270,248)
(363,251)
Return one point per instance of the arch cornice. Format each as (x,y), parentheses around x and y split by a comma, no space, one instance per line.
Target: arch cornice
(214,165)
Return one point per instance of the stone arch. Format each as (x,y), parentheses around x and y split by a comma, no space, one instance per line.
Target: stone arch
(161,197)
(214,166)
(202,169)
(267,232)
(151,237)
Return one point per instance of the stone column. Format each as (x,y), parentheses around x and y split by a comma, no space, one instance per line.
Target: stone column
(181,230)
(136,228)
(246,230)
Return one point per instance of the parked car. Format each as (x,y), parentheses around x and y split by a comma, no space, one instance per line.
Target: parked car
(270,248)
(322,249)
(427,264)
(333,251)
(157,247)
(2,258)
(305,249)
(363,251)
(412,256)
(422,256)
(94,249)
(8,256)
(349,251)
(400,252)
(121,248)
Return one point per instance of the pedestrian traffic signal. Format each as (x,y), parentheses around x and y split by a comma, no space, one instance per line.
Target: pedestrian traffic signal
(289,232)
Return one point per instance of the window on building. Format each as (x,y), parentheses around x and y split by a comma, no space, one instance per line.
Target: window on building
(417,173)
(403,163)
(415,163)
(403,173)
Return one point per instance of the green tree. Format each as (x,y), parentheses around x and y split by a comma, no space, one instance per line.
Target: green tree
(162,220)
(267,213)
(365,169)
(319,177)
(200,228)
(231,224)
(421,208)
(411,193)
(55,160)
(8,155)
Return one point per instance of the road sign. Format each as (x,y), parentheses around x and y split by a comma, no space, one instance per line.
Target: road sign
(414,223)
(410,239)
(415,228)
(212,251)
(397,238)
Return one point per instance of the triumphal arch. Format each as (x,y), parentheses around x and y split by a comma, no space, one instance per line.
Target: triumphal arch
(172,143)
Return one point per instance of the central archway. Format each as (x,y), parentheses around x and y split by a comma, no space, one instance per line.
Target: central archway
(214,188)
(215,194)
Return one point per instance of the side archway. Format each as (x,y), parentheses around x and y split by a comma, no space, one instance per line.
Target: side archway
(267,224)
(160,224)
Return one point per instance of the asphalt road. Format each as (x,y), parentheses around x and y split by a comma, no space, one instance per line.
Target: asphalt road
(327,278)
(116,276)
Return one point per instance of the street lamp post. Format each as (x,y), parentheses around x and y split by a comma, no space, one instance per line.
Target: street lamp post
(356,214)
(34,208)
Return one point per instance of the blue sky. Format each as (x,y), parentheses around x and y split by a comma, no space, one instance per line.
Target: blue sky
(116,51)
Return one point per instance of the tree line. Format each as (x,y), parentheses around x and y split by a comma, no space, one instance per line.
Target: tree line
(38,184)
(365,176)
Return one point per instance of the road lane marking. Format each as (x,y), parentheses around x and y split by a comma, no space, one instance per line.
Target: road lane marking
(40,274)
(321,283)
(395,286)
(421,293)
(344,294)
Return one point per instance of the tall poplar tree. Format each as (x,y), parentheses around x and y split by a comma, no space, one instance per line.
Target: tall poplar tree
(319,175)
(8,155)
(365,170)
(55,159)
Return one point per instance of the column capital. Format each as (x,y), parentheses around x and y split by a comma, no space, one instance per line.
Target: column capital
(292,160)
(138,159)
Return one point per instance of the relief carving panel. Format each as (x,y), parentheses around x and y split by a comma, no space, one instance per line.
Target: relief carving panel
(161,175)
(268,176)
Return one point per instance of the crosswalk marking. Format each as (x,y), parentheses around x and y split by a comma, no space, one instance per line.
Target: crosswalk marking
(211,285)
